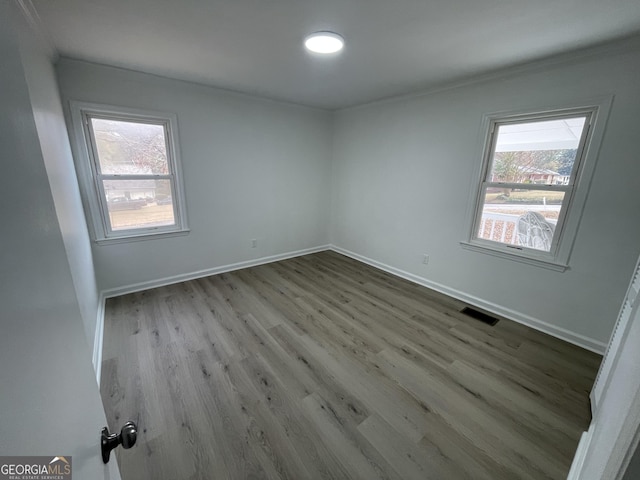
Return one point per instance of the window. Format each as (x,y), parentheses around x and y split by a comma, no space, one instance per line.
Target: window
(131,169)
(528,206)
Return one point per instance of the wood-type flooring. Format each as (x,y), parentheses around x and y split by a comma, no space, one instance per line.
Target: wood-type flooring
(323,367)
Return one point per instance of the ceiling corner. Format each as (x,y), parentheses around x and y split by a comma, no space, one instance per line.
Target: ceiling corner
(30,14)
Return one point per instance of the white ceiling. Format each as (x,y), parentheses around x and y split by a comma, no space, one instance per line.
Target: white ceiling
(392,46)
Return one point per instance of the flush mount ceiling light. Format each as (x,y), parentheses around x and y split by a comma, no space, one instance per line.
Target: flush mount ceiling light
(324,42)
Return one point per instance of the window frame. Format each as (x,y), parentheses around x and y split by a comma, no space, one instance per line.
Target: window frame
(91,177)
(596,111)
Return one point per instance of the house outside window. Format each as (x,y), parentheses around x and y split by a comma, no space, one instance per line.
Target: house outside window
(534,180)
(130,166)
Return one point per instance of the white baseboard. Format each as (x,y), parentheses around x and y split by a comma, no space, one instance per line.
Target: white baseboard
(97,341)
(581,452)
(571,337)
(161,282)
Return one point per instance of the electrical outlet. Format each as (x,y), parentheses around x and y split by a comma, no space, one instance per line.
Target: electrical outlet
(425,259)
(254,243)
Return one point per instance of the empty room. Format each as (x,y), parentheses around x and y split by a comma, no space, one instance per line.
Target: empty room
(306,240)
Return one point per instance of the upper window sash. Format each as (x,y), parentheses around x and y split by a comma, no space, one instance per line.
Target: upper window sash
(495,124)
(88,116)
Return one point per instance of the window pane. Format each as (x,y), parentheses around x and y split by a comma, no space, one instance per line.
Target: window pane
(520,217)
(536,152)
(130,148)
(139,203)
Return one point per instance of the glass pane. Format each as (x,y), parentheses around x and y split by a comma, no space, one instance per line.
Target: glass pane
(139,203)
(536,152)
(130,148)
(520,217)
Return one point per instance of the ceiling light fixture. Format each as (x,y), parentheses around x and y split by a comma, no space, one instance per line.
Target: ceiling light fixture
(324,42)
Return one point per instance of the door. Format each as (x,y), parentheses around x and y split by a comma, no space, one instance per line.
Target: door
(50,405)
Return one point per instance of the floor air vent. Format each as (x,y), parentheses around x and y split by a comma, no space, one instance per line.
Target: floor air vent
(483,317)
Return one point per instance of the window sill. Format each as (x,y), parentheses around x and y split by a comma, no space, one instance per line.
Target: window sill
(550,265)
(142,237)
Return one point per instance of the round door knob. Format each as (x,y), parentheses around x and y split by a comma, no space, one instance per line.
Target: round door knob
(128,435)
(127,438)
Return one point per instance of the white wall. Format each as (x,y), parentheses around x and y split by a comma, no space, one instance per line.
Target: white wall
(56,151)
(252,168)
(50,403)
(403,184)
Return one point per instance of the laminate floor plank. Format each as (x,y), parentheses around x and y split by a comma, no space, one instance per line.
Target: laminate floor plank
(322,367)
(465,409)
(531,418)
(293,424)
(411,461)
(359,458)
(471,460)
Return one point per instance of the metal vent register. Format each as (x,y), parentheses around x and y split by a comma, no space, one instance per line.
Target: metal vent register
(478,315)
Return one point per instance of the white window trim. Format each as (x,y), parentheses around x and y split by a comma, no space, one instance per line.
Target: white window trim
(558,258)
(90,190)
